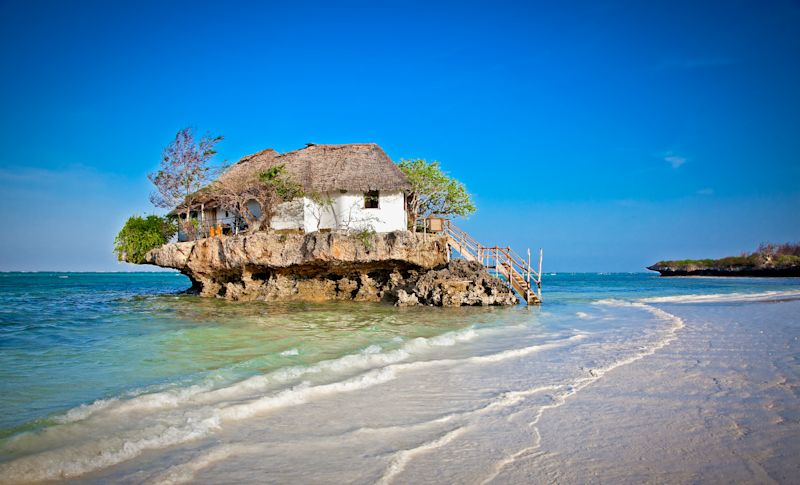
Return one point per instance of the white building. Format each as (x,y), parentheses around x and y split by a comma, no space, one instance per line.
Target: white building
(354,187)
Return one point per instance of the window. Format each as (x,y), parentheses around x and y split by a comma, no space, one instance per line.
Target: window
(371,199)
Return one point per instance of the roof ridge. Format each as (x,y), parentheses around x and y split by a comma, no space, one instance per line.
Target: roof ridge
(253,155)
(329,145)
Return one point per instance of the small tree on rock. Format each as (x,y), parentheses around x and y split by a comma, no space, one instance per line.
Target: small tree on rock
(433,191)
(185,169)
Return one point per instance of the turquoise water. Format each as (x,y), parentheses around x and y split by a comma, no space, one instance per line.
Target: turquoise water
(72,339)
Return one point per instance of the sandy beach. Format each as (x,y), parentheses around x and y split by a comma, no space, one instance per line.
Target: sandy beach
(717,405)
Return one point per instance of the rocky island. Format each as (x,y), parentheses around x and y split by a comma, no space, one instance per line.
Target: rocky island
(775,260)
(322,223)
(402,267)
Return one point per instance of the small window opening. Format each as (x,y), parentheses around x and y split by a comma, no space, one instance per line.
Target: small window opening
(371,199)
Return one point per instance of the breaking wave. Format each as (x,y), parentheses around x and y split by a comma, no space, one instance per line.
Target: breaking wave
(111,431)
(726,297)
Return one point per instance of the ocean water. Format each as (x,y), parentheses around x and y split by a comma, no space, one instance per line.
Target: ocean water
(120,377)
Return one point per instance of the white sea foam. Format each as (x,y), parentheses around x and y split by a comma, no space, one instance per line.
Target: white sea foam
(669,335)
(303,393)
(726,297)
(185,472)
(370,357)
(402,458)
(372,349)
(101,452)
(72,461)
(142,402)
(504,400)
(72,448)
(520,352)
(290,352)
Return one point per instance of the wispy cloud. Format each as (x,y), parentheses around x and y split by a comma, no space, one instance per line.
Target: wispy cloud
(27,174)
(695,63)
(674,160)
(706,191)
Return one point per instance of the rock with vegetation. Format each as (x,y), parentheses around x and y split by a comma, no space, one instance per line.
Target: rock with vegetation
(141,234)
(777,260)
(402,267)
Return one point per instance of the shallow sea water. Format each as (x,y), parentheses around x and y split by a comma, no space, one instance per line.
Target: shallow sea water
(616,378)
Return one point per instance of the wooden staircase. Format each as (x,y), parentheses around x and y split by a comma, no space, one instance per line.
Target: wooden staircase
(516,271)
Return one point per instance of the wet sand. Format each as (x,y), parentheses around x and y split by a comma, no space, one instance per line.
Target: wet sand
(718,405)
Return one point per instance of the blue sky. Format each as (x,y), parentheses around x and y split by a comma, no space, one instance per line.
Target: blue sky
(612,134)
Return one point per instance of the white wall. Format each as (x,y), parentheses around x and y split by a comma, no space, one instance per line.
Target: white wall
(318,216)
(342,211)
(346,211)
(288,215)
(221,215)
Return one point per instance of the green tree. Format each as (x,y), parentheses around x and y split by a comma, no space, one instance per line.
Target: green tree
(433,191)
(141,234)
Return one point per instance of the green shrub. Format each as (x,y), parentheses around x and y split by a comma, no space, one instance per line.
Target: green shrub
(367,236)
(141,234)
(787,260)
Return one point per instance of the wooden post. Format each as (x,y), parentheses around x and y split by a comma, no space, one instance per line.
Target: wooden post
(528,278)
(539,283)
(202,220)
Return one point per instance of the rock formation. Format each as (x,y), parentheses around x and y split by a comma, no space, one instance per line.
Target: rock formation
(401,267)
(458,283)
(669,268)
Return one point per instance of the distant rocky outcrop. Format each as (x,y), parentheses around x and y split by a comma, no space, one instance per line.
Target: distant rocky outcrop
(401,267)
(667,269)
(776,260)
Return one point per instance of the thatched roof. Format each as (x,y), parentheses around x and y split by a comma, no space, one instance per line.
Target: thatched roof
(356,167)
(250,164)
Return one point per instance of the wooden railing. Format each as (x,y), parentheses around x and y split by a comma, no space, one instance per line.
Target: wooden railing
(517,271)
(209,227)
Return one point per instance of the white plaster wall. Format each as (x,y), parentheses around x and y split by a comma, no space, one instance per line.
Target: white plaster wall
(347,212)
(289,215)
(318,216)
(222,217)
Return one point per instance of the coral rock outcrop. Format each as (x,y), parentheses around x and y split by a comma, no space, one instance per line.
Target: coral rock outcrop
(401,267)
